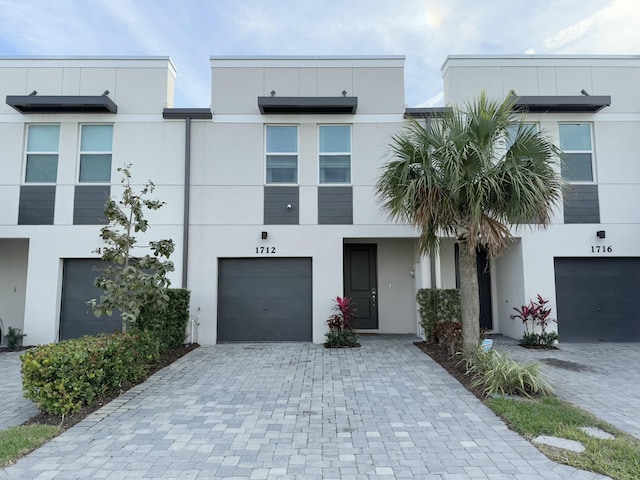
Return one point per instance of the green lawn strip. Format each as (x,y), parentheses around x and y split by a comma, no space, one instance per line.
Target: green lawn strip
(15,442)
(618,458)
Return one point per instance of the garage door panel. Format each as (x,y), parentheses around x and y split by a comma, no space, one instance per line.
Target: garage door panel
(76,318)
(596,299)
(264,299)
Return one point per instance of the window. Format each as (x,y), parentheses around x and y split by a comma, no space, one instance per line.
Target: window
(282,154)
(42,153)
(95,153)
(335,154)
(575,141)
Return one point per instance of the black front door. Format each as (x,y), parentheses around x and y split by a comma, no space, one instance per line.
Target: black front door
(484,289)
(361,282)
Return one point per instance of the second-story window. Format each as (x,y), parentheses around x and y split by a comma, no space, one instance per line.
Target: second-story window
(42,153)
(95,153)
(575,142)
(282,154)
(335,153)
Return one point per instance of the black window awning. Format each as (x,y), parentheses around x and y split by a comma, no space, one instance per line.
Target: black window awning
(427,112)
(313,105)
(62,104)
(182,113)
(562,104)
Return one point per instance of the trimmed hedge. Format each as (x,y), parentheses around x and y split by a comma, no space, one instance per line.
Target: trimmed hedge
(437,305)
(64,377)
(168,325)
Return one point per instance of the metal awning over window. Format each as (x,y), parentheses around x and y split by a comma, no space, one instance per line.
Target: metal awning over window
(62,104)
(321,105)
(562,103)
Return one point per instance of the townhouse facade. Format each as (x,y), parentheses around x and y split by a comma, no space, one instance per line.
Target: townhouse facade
(270,192)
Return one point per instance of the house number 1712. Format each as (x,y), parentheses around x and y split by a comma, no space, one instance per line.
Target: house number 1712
(265,250)
(601,249)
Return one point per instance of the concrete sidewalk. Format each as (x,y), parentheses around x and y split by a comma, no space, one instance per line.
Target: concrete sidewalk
(264,411)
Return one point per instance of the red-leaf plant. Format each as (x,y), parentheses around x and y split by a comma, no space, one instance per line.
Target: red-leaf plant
(536,314)
(346,311)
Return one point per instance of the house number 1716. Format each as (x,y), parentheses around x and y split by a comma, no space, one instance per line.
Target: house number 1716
(265,250)
(601,249)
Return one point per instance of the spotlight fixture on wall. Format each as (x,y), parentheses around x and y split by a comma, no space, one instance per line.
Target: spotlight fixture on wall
(289,207)
(601,234)
(35,92)
(585,93)
(105,93)
(264,235)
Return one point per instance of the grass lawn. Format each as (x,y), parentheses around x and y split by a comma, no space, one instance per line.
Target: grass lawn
(618,458)
(16,442)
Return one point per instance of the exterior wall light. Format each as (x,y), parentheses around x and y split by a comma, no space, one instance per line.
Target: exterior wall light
(264,235)
(601,234)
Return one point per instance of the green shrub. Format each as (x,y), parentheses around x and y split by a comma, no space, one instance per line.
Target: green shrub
(64,377)
(341,338)
(437,305)
(169,325)
(539,340)
(14,338)
(499,374)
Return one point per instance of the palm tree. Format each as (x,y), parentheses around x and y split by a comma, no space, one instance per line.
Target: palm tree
(470,175)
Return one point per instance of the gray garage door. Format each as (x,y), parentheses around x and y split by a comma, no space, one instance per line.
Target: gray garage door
(597,299)
(76,319)
(264,299)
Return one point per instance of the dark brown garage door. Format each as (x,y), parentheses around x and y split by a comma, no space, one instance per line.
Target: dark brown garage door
(597,299)
(264,300)
(76,318)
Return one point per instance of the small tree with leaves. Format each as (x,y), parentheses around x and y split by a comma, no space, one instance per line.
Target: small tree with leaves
(131,282)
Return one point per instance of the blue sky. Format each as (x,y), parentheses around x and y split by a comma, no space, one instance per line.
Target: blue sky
(425,31)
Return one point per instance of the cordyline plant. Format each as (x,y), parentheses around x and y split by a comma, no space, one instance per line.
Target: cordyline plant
(346,311)
(536,314)
(341,329)
(131,282)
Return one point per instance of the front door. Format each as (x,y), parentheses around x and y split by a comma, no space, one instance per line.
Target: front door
(484,289)
(361,282)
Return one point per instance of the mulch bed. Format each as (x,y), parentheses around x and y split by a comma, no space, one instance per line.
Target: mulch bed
(453,365)
(70,420)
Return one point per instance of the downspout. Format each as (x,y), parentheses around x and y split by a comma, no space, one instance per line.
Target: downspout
(187,190)
(186,114)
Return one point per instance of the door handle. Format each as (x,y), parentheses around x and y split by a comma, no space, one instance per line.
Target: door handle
(373,295)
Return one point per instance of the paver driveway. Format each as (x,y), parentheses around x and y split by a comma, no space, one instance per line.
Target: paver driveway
(261,411)
(14,408)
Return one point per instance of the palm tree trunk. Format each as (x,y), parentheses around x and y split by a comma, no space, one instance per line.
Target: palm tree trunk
(469,299)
